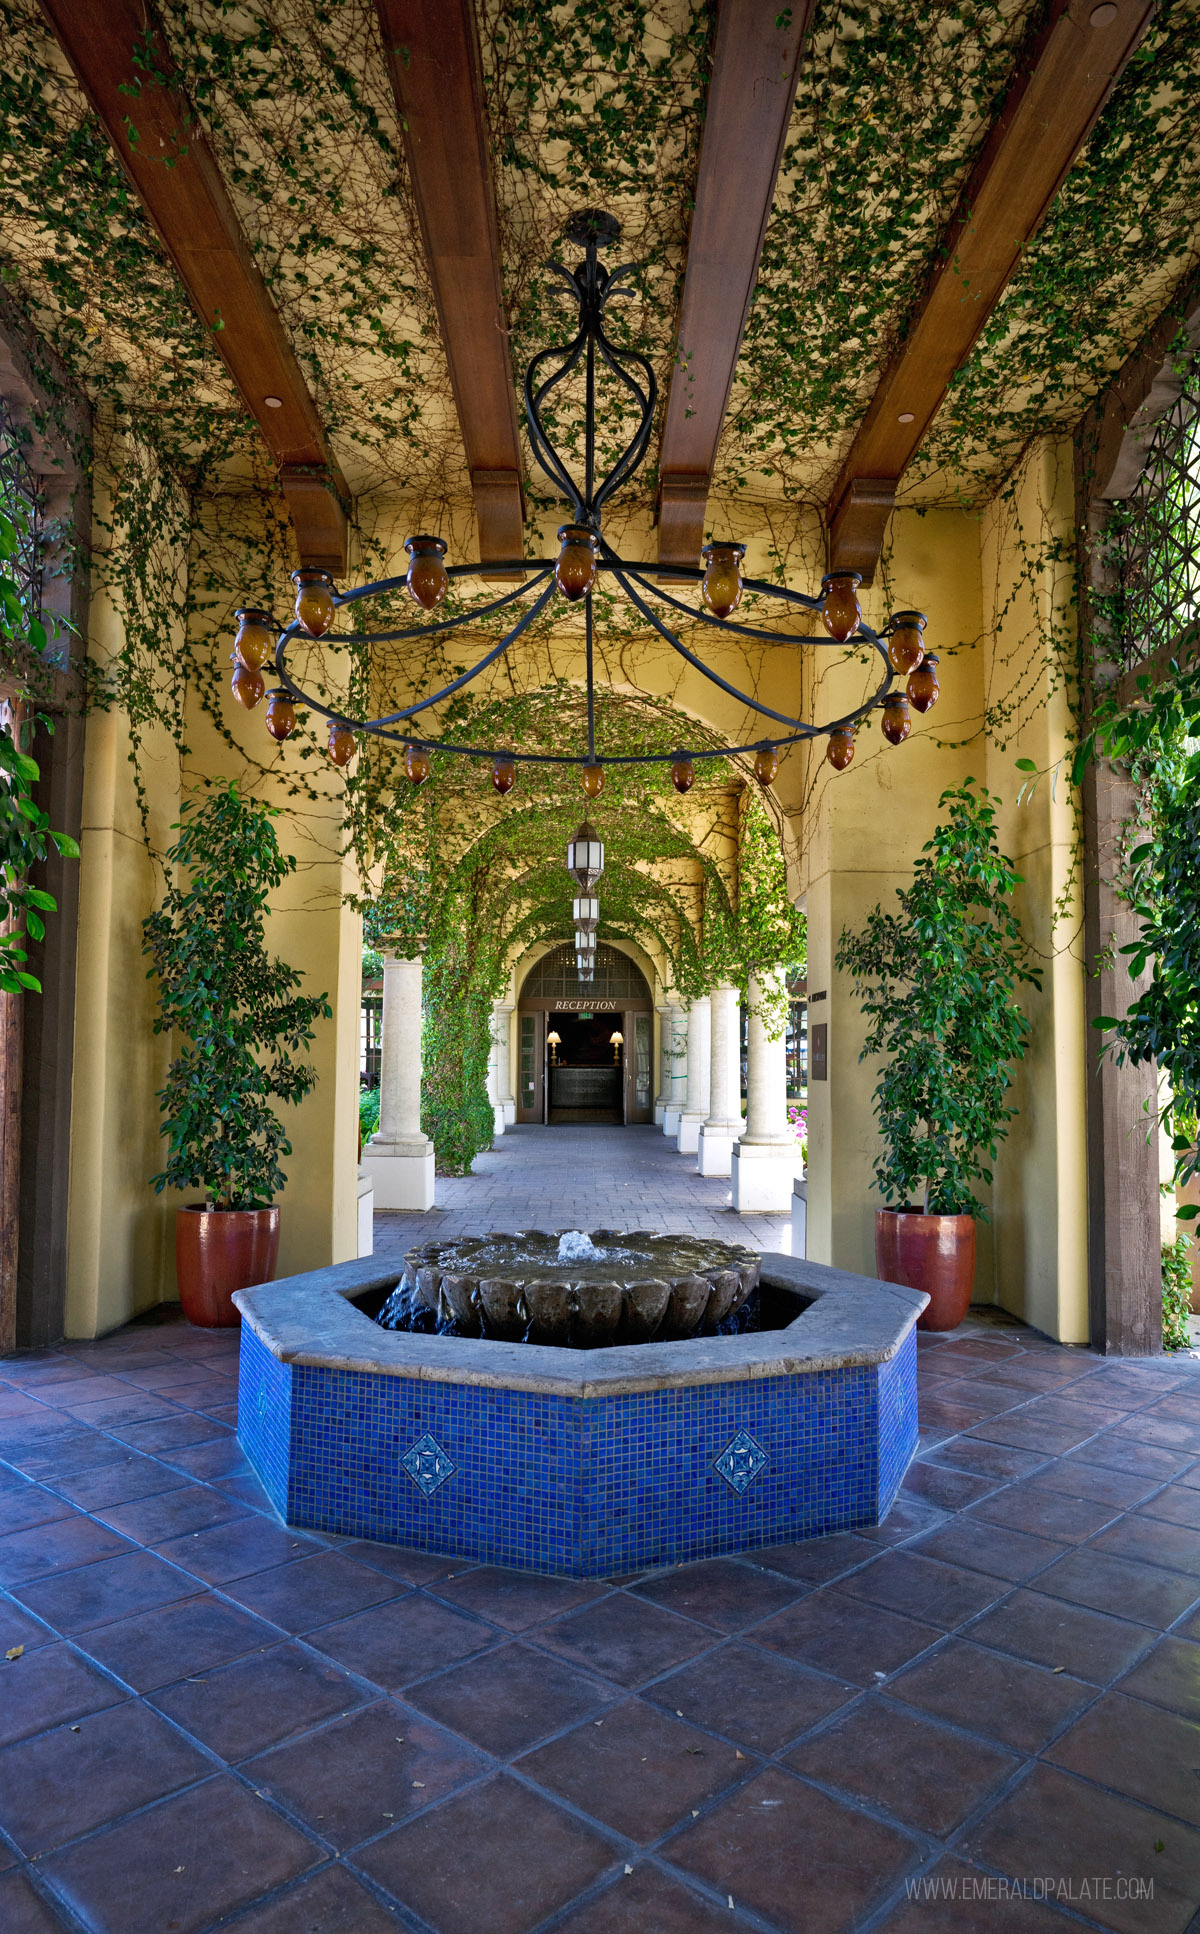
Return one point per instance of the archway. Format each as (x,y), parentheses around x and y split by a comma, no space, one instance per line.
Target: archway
(599,1069)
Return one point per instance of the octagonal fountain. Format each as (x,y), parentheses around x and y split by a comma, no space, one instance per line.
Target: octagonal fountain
(580,1404)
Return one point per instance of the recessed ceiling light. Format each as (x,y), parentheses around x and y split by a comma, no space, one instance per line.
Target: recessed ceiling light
(905,416)
(273,402)
(1100,16)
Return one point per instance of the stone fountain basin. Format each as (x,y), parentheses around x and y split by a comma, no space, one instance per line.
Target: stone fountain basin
(588,1463)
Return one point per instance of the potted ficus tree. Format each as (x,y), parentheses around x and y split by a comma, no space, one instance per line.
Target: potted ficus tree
(240,1024)
(937,980)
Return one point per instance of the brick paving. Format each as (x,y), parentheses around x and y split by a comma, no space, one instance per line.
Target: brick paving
(583,1178)
(209,1720)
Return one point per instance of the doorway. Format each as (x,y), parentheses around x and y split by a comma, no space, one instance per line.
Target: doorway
(585,1068)
(598,1067)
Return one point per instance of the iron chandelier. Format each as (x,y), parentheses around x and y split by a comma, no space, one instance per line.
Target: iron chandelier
(585,556)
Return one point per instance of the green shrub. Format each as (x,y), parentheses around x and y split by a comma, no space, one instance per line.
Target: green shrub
(1176,1294)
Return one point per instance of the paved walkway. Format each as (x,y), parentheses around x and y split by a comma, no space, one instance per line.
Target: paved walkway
(584,1178)
(208,1720)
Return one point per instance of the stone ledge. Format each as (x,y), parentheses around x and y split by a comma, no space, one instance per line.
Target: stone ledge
(850,1320)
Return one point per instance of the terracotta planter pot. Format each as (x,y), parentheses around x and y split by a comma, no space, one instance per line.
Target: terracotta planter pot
(935,1253)
(218,1251)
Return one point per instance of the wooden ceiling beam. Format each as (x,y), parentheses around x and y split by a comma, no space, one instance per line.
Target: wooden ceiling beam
(756,56)
(432,52)
(1059,89)
(123,65)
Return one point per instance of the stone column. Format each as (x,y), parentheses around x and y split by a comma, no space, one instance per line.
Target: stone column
(666,1038)
(676,1080)
(714,1151)
(398,1157)
(764,1161)
(695,1105)
(506,1101)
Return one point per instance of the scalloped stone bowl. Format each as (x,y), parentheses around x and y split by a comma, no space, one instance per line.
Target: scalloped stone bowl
(573,1289)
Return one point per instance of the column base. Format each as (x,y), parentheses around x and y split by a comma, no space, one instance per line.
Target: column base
(763,1174)
(687,1135)
(714,1148)
(497,1119)
(402,1173)
(509,1105)
(670,1122)
(800,1219)
(366,1214)
(660,1109)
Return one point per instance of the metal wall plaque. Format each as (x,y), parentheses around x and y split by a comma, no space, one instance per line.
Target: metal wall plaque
(819,1052)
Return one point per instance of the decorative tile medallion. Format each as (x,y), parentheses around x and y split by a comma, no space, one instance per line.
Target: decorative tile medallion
(428,1465)
(740,1462)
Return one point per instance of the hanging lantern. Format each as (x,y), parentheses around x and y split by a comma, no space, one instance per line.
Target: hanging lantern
(840,749)
(766,764)
(247,682)
(504,772)
(906,646)
(576,566)
(281,714)
(593,780)
(428,579)
(314,601)
(923,688)
(840,612)
(341,742)
(585,969)
(416,763)
(585,856)
(255,637)
(896,721)
(585,940)
(683,772)
(722,587)
(585,911)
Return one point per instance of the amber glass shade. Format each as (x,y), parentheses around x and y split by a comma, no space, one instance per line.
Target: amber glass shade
(896,721)
(575,571)
(906,647)
(248,685)
(281,714)
(722,587)
(840,749)
(341,743)
(314,601)
(840,612)
(416,764)
(923,687)
(504,774)
(593,781)
(766,764)
(255,637)
(428,579)
(683,772)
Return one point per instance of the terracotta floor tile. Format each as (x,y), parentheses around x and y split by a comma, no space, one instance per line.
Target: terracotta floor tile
(1191,1476)
(1045,1514)
(806,1863)
(1153,1541)
(999,1461)
(255,1702)
(22,1908)
(922,1587)
(757,1699)
(352,1779)
(101,1593)
(976,1907)
(511,1697)
(55,1547)
(625,1639)
(332,1902)
(1143,1751)
(723,1592)
(1171,1433)
(637,1769)
(18,1627)
(993,1549)
(131,1477)
(1091,1576)
(1057,1825)
(181,1864)
(1003,1698)
(178,1642)
(1048,1631)
(846,1637)
(1117,1452)
(63,1783)
(1169,1676)
(648,1901)
(907,1517)
(1178,1504)
(398,1561)
(222,1457)
(949,1490)
(168,1433)
(1095,1483)
(230,1551)
(170,1514)
(313,1591)
(405,1639)
(1028,1432)
(818,1561)
(23,1504)
(46,1686)
(516,1600)
(528,1858)
(923,1773)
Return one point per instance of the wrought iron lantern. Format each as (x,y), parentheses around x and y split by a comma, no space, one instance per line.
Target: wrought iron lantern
(585,856)
(586,559)
(585,911)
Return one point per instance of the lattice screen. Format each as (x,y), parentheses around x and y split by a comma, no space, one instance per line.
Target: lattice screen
(1152,547)
(21,502)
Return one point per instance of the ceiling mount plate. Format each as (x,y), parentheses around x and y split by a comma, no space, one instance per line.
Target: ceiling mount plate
(593,225)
